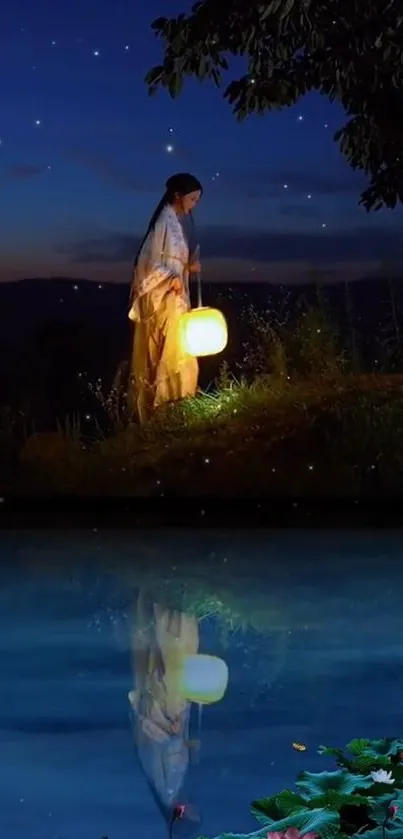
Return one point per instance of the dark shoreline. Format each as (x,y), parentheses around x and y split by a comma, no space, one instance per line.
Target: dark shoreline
(204,513)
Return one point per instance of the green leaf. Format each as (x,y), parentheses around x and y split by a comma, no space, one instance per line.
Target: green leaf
(175,85)
(335,800)
(340,781)
(154,75)
(325,823)
(393,832)
(277,806)
(379,807)
(358,746)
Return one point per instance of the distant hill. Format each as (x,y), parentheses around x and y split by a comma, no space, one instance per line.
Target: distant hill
(26,304)
(52,331)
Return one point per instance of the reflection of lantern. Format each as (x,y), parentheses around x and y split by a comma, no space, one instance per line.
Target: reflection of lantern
(203,678)
(203,331)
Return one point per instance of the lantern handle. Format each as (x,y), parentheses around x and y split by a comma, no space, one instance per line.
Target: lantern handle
(196,256)
(199,292)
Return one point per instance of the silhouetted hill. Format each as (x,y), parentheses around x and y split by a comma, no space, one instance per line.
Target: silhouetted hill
(26,304)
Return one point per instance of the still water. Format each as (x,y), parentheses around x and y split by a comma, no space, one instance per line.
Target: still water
(308,625)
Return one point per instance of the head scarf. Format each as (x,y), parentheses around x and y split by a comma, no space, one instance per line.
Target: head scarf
(183,183)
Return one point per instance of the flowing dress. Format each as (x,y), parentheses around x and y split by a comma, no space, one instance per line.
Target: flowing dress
(160,371)
(160,715)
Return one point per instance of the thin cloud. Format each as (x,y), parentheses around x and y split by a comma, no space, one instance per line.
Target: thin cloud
(258,246)
(24,171)
(118,176)
(258,184)
(107,249)
(107,170)
(299,211)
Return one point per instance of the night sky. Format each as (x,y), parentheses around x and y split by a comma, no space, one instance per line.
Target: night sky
(85,153)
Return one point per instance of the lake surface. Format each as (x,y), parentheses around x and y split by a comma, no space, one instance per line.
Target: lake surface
(309,625)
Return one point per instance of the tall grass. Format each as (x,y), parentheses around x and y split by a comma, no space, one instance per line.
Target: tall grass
(285,347)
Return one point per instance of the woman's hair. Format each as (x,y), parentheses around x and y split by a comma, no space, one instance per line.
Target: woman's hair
(181,184)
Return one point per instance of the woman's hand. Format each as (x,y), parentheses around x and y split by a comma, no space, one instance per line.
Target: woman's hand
(194,267)
(176,285)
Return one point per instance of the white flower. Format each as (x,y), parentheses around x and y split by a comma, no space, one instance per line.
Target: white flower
(381,776)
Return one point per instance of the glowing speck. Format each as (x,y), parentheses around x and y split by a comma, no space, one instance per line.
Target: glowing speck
(300,118)
(96,53)
(169,149)
(285,186)
(38,123)
(309,195)
(127,47)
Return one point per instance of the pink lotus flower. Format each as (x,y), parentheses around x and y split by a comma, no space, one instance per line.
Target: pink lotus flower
(292,833)
(392,810)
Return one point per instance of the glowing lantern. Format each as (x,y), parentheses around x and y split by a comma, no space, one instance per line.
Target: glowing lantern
(203,331)
(203,679)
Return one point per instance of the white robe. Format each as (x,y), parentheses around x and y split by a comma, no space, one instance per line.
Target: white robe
(164,256)
(161,371)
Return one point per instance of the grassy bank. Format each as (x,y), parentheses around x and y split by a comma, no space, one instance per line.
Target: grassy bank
(317,437)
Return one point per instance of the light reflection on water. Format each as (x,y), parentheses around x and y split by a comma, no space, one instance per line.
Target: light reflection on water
(309,625)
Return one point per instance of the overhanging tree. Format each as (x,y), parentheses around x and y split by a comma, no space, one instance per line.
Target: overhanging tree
(351,51)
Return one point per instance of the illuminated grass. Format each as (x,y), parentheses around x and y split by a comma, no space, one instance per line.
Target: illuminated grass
(338,436)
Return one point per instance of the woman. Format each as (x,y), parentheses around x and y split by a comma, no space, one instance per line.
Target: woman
(161,638)
(161,372)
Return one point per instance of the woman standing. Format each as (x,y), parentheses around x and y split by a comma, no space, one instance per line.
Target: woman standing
(160,372)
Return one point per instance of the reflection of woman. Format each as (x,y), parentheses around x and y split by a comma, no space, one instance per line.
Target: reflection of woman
(161,716)
(161,373)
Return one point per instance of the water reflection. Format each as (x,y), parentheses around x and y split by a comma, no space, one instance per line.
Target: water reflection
(162,640)
(309,627)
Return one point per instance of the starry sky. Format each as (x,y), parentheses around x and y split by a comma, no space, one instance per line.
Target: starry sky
(85,152)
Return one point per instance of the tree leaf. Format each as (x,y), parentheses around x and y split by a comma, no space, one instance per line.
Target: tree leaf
(175,85)
(301,43)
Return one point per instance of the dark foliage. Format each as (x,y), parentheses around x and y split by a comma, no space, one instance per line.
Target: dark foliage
(348,50)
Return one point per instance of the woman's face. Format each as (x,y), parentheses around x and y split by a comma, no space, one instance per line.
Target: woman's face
(189,201)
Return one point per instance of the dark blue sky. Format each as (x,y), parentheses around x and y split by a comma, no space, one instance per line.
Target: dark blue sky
(85,153)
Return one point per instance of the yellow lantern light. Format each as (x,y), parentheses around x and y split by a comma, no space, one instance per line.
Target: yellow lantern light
(203,331)
(203,679)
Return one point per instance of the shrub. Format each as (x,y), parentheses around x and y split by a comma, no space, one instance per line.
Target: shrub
(363,797)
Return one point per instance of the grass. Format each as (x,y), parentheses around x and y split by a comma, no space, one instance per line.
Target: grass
(298,420)
(329,436)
